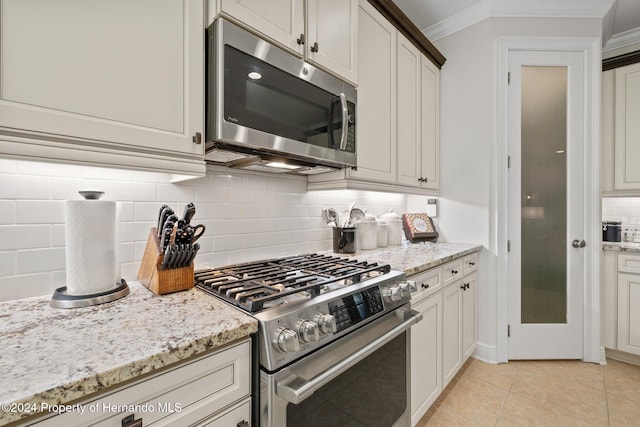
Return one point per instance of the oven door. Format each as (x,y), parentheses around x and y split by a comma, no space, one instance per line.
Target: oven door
(266,98)
(363,379)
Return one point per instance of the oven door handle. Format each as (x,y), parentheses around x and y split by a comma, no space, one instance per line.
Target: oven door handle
(295,389)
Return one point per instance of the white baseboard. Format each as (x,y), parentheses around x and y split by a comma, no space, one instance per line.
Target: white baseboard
(622,356)
(486,353)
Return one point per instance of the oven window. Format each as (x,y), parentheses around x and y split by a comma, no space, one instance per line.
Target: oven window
(373,393)
(263,97)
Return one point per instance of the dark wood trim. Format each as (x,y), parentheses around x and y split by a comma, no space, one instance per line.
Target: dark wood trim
(399,20)
(621,60)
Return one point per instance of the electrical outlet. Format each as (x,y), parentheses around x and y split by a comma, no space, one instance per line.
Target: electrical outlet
(432,207)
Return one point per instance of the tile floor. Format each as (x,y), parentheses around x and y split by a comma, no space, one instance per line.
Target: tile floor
(539,393)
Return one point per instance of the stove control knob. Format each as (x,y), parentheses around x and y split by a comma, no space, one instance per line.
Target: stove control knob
(308,331)
(286,340)
(392,293)
(406,288)
(326,323)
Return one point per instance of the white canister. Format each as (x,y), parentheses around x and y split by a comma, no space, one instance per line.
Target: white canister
(367,233)
(394,228)
(382,234)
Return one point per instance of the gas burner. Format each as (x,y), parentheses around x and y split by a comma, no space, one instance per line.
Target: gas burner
(259,285)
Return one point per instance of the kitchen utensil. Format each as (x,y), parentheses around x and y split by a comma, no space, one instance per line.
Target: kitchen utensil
(189,212)
(356,215)
(347,221)
(159,224)
(394,227)
(166,213)
(196,232)
(330,216)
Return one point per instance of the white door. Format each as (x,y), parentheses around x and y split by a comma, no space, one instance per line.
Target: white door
(546,133)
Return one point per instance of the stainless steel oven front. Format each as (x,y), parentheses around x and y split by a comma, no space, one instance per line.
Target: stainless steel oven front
(363,379)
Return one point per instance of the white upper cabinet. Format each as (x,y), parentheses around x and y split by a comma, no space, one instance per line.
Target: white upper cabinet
(122,75)
(326,34)
(627,127)
(430,127)
(280,20)
(375,123)
(408,113)
(332,36)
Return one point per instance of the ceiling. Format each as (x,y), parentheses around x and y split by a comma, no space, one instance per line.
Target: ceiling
(438,18)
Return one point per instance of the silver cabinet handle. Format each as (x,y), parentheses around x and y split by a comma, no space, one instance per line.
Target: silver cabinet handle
(295,389)
(578,243)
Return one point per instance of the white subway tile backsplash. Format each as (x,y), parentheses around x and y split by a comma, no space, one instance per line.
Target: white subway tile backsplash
(623,209)
(7,263)
(21,187)
(248,216)
(40,260)
(25,286)
(24,237)
(7,212)
(39,212)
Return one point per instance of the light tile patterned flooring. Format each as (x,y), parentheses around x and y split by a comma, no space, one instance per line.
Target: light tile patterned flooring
(539,393)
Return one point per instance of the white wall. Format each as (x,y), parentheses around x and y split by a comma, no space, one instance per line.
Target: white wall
(624,209)
(249,216)
(468,133)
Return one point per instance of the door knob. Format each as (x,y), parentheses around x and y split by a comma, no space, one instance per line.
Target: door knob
(578,243)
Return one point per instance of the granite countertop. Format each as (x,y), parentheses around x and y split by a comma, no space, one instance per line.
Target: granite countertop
(617,246)
(414,258)
(55,356)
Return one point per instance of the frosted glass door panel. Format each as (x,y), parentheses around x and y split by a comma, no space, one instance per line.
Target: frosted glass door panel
(544,195)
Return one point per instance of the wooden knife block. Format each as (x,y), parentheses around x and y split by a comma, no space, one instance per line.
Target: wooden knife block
(160,281)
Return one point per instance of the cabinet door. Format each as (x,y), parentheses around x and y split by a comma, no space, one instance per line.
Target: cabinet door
(408,121)
(469,315)
(430,128)
(629,313)
(451,331)
(426,356)
(118,72)
(627,127)
(279,20)
(376,123)
(332,36)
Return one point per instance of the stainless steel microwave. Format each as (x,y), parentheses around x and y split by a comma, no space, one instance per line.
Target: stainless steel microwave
(269,110)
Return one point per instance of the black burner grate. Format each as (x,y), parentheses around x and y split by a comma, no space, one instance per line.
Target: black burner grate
(253,285)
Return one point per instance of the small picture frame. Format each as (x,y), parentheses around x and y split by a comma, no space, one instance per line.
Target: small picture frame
(418,227)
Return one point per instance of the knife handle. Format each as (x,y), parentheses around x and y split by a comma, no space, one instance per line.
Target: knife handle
(189,212)
(166,234)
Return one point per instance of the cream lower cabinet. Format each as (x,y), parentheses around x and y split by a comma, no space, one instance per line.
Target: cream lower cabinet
(212,390)
(446,336)
(629,303)
(115,83)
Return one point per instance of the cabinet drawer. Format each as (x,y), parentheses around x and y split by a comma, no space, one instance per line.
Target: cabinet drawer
(470,263)
(629,263)
(191,391)
(427,283)
(452,271)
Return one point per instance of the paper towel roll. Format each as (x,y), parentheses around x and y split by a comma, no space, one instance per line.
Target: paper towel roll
(91,246)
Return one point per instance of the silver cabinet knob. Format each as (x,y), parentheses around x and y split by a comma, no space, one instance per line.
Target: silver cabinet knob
(578,243)
(286,340)
(308,331)
(326,323)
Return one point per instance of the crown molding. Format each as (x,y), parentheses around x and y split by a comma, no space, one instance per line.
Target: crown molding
(518,9)
(621,40)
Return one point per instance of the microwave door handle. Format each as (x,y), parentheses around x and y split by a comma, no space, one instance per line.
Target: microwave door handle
(332,142)
(345,122)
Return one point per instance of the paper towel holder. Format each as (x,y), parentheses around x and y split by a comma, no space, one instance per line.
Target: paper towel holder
(61,299)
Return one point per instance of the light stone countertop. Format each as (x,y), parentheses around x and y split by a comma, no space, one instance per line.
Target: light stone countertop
(617,247)
(413,258)
(55,356)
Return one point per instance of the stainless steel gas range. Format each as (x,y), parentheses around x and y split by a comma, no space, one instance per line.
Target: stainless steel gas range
(333,341)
